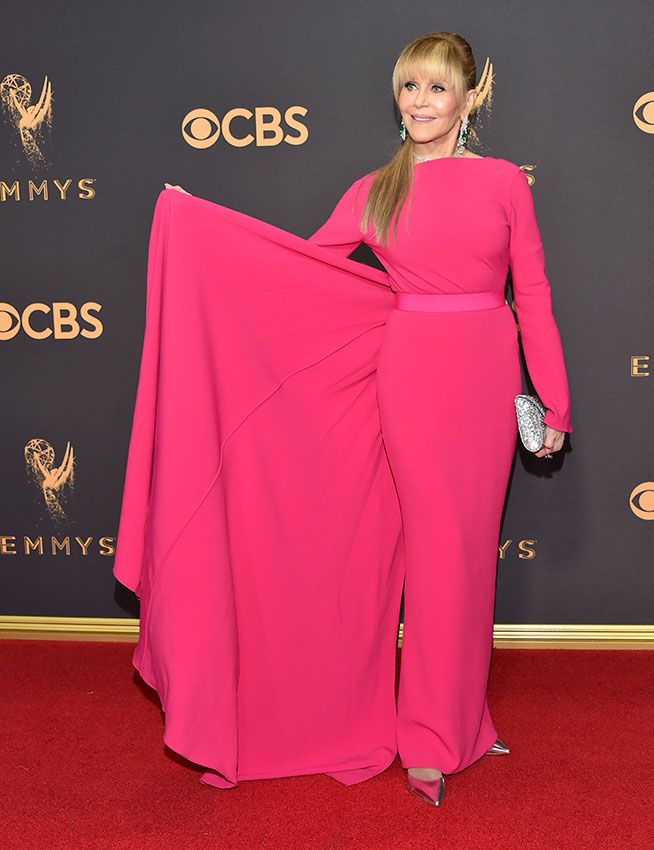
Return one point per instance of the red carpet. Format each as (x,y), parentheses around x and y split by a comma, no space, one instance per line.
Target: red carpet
(84,766)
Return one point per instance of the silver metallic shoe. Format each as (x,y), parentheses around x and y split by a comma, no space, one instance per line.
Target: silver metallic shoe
(429,790)
(498,749)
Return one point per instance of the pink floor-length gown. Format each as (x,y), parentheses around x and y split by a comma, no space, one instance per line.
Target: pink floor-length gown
(301,447)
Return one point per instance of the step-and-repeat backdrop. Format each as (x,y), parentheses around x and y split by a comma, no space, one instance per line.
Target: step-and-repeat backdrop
(274,109)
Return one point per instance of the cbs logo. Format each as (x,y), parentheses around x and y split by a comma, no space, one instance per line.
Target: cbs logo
(641,500)
(240,127)
(60,320)
(643,112)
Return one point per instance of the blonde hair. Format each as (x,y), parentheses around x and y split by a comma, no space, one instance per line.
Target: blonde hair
(437,54)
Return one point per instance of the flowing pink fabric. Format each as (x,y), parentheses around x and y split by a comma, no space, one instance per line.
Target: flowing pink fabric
(260,526)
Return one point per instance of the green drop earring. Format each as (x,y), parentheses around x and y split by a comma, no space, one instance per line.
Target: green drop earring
(463,137)
(402,130)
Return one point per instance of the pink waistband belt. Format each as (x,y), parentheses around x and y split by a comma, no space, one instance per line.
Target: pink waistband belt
(449,301)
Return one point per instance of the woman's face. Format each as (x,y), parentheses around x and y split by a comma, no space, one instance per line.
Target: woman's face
(431,112)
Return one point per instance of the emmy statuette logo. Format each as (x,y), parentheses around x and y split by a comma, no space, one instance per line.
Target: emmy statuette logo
(28,119)
(53,482)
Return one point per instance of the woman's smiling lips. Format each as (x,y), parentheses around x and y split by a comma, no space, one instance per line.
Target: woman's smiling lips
(423,118)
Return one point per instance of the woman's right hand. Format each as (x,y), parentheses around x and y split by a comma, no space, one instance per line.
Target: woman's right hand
(179,188)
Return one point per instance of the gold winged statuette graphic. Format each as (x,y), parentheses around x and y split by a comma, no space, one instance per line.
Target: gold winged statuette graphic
(28,118)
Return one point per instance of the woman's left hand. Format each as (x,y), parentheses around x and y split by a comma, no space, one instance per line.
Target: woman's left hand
(553,442)
(178,188)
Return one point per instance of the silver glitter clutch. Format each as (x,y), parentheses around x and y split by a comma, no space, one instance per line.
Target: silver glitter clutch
(531,426)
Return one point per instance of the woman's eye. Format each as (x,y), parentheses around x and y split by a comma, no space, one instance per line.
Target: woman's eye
(435,86)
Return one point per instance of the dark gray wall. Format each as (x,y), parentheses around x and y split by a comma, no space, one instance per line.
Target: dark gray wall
(124,75)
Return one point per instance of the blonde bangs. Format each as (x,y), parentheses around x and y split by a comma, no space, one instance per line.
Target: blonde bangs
(439,61)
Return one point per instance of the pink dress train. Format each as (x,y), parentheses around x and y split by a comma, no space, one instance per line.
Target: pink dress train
(259,525)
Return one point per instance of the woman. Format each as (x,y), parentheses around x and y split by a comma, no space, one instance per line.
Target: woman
(447,371)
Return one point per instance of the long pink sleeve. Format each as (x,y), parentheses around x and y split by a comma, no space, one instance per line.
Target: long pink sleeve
(341,232)
(541,341)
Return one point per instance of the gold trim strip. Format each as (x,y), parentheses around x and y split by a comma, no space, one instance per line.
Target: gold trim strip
(578,636)
(70,628)
(530,636)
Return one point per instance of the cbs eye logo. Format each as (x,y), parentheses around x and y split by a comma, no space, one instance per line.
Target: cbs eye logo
(641,500)
(643,112)
(265,127)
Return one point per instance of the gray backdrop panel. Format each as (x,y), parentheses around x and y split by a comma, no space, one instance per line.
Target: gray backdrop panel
(125,74)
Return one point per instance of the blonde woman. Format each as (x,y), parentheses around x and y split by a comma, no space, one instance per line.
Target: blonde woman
(446,223)
(447,376)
